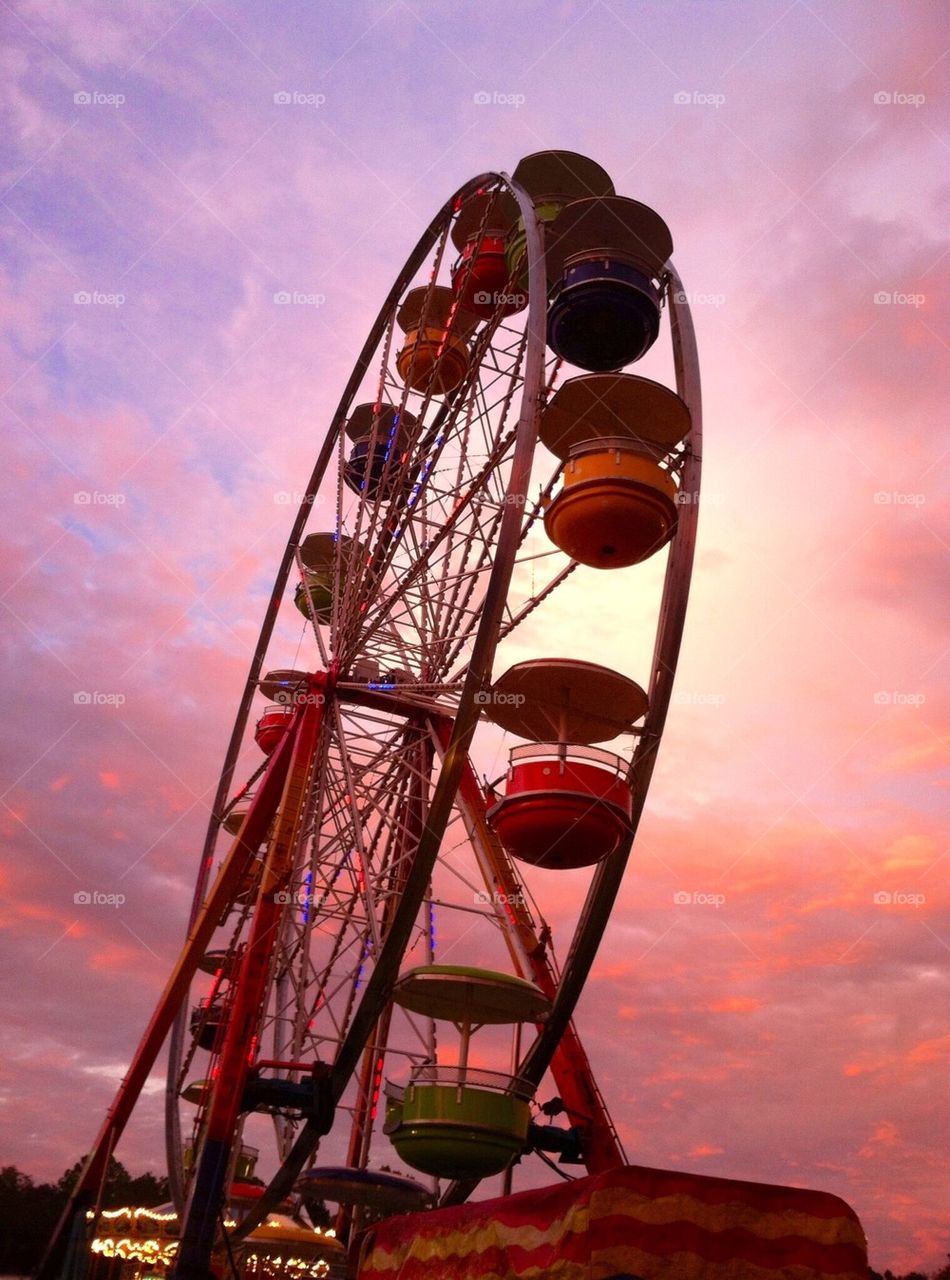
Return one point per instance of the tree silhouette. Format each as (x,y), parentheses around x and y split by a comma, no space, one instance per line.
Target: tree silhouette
(29,1211)
(942,1274)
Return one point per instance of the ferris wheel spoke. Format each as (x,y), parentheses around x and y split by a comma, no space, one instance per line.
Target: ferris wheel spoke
(448,625)
(358,835)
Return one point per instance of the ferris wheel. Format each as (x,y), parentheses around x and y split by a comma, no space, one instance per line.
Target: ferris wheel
(369,978)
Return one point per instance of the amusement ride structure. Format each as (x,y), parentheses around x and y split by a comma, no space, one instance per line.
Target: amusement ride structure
(368,979)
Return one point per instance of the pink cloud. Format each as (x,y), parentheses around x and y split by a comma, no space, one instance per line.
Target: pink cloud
(736,1004)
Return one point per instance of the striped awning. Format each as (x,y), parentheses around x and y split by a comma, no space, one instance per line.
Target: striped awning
(627,1224)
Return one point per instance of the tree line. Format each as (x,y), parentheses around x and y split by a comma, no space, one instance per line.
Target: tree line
(30,1210)
(942,1274)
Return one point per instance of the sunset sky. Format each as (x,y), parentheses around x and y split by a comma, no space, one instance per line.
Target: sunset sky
(156,197)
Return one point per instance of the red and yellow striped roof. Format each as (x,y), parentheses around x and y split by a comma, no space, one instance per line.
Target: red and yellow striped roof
(635,1223)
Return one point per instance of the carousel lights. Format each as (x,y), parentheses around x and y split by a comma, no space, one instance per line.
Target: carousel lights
(319,1232)
(256,1264)
(160,1253)
(153,1215)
